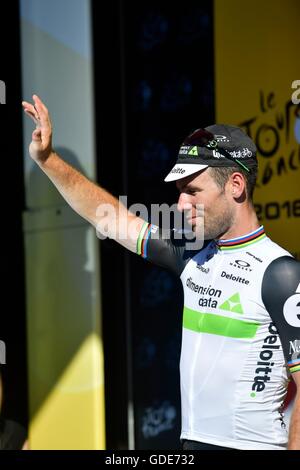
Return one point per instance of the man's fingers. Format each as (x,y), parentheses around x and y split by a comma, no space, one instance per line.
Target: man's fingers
(33,117)
(41,136)
(41,109)
(38,100)
(38,112)
(36,135)
(29,108)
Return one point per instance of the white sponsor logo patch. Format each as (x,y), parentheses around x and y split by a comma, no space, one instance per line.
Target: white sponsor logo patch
(291,309)
(295,346)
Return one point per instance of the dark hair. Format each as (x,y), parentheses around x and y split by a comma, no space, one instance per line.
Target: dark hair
(222,174)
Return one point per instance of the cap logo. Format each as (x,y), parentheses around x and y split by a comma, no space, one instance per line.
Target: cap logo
(180,171)
(193,152)
(217,154)
(184,149)
(243,153)
(212,144)
(221,138)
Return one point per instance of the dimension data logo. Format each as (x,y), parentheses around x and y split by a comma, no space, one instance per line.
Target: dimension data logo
(2,92)
(233,304)
(209,292)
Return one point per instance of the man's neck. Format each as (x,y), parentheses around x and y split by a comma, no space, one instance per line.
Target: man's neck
(245,222)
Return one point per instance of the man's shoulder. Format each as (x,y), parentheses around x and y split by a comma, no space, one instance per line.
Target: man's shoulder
(282,271)
(274,250)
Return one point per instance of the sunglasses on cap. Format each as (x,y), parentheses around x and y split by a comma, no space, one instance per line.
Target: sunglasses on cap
(204,138)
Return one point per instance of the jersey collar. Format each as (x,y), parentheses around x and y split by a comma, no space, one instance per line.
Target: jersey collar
(241,242)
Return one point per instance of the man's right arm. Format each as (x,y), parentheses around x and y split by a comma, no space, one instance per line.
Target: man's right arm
(90,201)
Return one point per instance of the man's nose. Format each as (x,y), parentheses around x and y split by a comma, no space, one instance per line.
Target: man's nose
(184,202)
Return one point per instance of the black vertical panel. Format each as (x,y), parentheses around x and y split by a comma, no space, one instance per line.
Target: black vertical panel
(169,85)
(12,312)
(154,83)
(109,147)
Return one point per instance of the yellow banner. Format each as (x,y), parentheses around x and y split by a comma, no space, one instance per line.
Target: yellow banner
(257,73)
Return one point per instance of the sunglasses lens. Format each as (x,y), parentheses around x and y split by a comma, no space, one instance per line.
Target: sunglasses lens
(200,137)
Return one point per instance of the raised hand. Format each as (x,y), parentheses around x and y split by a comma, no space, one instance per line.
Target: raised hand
(41,145)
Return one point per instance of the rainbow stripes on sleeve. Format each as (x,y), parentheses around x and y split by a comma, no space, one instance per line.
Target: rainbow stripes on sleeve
(294,365)
(143,238)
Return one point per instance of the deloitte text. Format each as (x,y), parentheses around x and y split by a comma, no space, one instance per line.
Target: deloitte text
(231,277)
(265,365)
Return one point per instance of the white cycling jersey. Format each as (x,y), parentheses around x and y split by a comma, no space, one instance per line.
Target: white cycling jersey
(240,339)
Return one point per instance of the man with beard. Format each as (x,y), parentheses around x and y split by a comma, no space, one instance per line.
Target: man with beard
(241,323)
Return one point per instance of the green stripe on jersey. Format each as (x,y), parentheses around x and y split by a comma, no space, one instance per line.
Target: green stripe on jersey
(217,324)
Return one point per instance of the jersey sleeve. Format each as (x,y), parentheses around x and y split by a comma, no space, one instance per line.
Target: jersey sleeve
(166,248)
(281,297)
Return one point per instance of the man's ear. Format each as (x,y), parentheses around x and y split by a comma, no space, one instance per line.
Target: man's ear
(237,184)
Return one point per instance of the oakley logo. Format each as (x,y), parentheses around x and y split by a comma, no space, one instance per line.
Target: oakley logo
(221,138)
(291,309)
(240,264)
(2,92)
